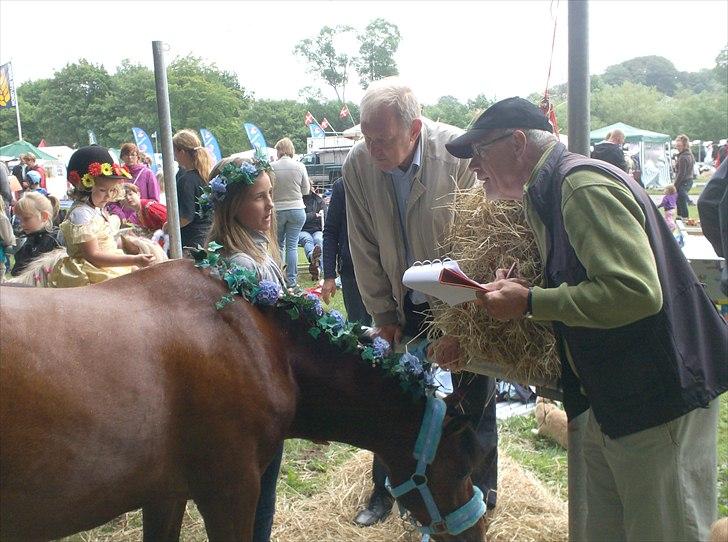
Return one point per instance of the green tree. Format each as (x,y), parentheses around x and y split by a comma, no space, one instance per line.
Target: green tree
(651,71)
(448,110)
(631,103)
(202,96)
(701,116)
(73,101)
(379,42)
(324,61)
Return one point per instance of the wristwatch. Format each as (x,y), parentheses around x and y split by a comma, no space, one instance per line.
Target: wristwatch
(529,304)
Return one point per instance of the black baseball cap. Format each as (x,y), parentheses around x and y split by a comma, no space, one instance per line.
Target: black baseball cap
(509,113)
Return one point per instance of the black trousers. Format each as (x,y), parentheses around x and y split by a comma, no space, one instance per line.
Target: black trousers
(479,403)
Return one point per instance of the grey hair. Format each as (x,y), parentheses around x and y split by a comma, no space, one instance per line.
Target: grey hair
(392,93)
(540,138)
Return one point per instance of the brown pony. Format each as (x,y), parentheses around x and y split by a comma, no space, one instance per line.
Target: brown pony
(185,402)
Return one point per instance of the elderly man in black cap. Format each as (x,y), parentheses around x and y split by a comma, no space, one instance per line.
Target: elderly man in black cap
(643,349)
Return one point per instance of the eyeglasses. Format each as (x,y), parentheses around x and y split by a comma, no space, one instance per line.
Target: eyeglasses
(479,148)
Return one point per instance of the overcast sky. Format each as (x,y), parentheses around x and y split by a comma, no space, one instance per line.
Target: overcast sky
(463,49)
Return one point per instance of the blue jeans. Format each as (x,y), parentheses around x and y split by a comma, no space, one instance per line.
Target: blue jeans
(683,199)
(267,500)
(290,223)
(308,241)
(355,309)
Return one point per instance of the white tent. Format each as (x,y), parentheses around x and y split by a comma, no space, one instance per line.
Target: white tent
(353,133)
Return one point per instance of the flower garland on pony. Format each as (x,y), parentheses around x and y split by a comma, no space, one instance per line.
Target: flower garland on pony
(415,376)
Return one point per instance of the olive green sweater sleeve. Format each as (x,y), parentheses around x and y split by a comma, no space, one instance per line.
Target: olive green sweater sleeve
(606,227)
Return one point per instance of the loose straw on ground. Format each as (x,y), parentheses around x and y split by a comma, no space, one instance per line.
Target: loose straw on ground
(486,236)
(526,511)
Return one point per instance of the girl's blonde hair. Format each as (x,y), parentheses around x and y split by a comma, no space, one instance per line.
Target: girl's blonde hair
(35,202)
(670,189)
(187,141)
(228,232)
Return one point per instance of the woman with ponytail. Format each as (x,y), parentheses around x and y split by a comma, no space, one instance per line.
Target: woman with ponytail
(197,163)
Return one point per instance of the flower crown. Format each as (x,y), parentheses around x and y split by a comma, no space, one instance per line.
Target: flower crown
(214,192)
(97,169)
(414,375)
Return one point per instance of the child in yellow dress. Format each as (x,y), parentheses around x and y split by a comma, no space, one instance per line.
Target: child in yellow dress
(93,255)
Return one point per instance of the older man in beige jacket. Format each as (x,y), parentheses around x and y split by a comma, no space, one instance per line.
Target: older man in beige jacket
(400,182)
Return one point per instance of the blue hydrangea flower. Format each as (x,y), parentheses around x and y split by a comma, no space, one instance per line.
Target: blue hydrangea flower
(381,347)
(318,310)
(268,294)
(411,364)
(249,168)
(219,187)
(340,320)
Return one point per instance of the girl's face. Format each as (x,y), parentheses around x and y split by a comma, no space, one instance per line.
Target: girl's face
(131,159)
(133,200)
(33,221)
(255,209)
(103,191)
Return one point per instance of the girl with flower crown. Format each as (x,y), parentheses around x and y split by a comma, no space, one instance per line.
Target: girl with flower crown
(87,230)
(240,195)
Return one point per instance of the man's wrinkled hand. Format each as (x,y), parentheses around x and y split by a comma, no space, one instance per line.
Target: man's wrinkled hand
(505,299)
(328,290)
(446,352)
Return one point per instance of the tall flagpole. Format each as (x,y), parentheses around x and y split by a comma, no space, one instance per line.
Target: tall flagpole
(14,97)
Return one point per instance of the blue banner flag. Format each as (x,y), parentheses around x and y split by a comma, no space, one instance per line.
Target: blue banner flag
(316,130)
(209,141)
(144,144)
(7,87)
(255,136)
(92,138)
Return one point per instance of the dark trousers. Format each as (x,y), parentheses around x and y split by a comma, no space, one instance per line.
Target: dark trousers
(683,199)
(266,508)
(479,403)
(355,309)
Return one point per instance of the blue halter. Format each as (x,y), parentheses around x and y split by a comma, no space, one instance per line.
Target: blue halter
(425,449)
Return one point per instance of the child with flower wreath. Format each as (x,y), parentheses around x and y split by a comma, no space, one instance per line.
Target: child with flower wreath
(240,194)
(88,232)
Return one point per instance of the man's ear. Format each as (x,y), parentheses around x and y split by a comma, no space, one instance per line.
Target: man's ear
(415,129)
(521,141)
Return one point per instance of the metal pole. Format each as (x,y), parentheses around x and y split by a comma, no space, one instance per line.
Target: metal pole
(578,86)
(11,84)
(578,89)
(165,130)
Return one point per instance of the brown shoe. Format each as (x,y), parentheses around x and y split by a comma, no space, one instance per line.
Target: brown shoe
(313,267)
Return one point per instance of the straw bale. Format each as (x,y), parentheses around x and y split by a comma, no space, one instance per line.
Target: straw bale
(526,511)
(488,235)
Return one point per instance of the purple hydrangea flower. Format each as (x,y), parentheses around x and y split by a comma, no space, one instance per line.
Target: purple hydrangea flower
(411,364)
(218,187)
(381,347)
(317,309)
(340,320)
(268,293)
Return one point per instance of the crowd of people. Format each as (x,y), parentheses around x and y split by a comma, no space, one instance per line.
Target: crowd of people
(642,347)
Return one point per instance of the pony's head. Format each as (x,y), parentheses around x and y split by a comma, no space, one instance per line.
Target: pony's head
(441,496)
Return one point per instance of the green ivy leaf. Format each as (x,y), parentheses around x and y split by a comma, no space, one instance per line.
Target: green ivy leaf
(314,332)
(212,246)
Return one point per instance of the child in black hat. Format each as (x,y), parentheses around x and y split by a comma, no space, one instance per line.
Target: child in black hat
(88,231)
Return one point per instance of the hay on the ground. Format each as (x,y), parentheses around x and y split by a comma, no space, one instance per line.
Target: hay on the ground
(526,511)
(486,236)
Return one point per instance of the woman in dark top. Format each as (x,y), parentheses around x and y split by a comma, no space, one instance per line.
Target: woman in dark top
(196,160)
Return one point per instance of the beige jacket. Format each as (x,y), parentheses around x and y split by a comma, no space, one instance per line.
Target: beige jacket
(375,236)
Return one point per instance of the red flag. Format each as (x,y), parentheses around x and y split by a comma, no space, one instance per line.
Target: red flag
(42,143)
(309,118)
(344,112)
(325,124)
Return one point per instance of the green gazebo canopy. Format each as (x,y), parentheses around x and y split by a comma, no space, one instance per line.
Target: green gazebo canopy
(631,134)
(22,147)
